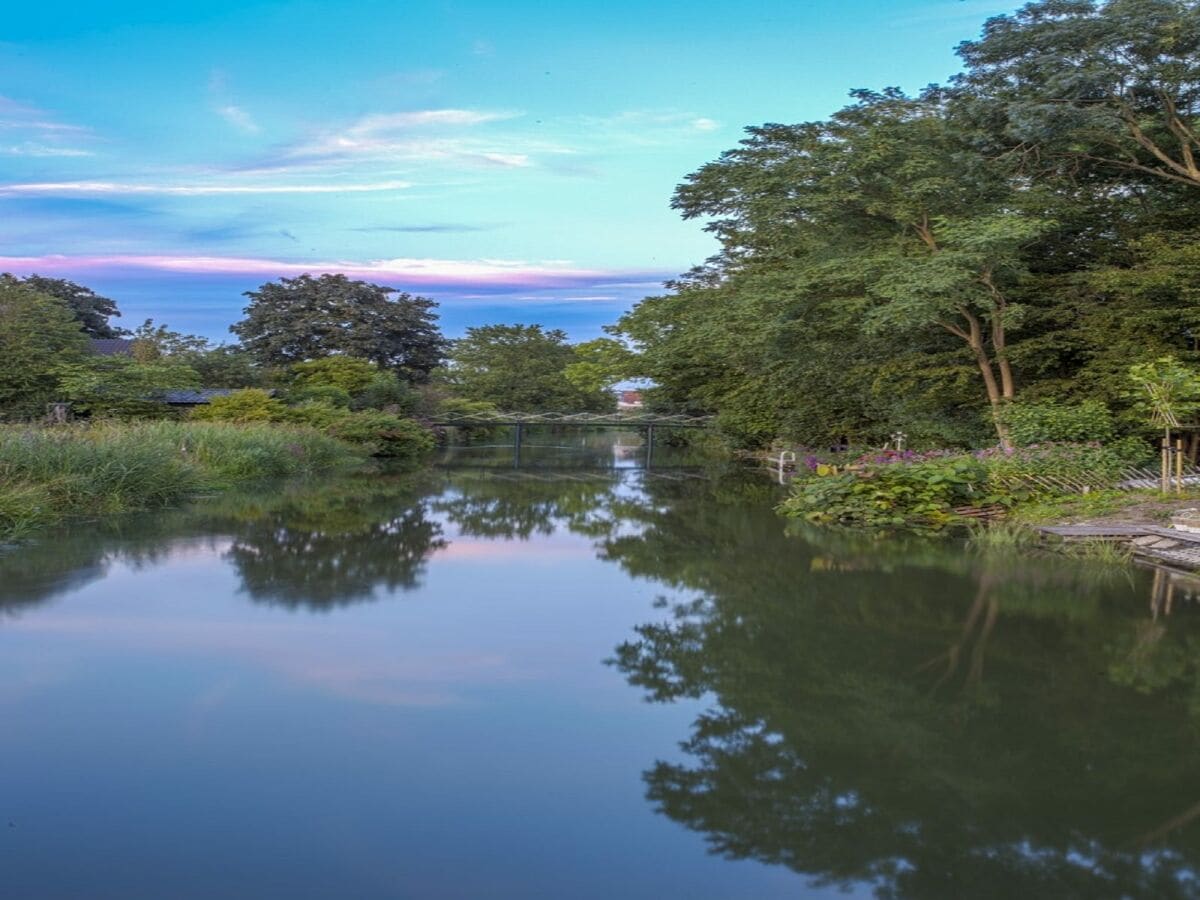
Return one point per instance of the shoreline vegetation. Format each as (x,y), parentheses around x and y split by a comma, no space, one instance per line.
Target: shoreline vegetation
(103,468)
(993,279)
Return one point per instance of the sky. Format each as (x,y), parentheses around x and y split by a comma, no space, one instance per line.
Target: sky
(512,161)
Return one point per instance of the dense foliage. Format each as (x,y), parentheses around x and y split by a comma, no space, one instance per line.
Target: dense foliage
(299,319)
(526,367)
(375,431)
(923,490)
(955,264)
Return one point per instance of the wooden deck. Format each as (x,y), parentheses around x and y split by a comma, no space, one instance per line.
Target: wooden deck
(1177,548)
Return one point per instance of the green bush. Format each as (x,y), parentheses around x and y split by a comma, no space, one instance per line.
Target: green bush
(386,392)
(385,434)
(249,405)
(914,495)
(1050,421)
(320,393)
(379,433)
(350,373)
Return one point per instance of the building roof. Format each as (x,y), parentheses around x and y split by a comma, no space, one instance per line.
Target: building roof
(112,346)
(194,398)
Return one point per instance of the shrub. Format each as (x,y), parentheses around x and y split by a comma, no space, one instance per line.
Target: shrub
(385,434)
(320,393)
(385,391)
(1050,421)
(921,494)
(249,405)
(349,373)
(379,433)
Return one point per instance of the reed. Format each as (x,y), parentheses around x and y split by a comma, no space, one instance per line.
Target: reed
(47,474)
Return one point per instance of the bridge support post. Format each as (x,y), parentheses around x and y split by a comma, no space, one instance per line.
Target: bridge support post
(649,446)
(517,444)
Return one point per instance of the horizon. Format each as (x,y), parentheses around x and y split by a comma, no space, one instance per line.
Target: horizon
(510,166)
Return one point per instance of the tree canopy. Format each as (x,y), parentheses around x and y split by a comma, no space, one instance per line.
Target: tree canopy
(1021,235)
(526,367)
(91,310)
(299,319)
(38,335)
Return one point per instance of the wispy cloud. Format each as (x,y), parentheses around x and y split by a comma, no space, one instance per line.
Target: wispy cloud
(649,127)
(440,228)
(429,135)
(31,148)
(238,117)
(221,102)
(99,188)
(39,133)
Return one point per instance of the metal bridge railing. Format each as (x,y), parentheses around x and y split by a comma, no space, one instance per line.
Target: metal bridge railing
(555,418)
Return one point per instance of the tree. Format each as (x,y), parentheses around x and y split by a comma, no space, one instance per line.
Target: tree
(349,373)
(121,385)
(153,342)
(226,366)
(1113,86)
(599,365)
(37,335)
(887,210)
(89,309)
(306,318)
(520,368)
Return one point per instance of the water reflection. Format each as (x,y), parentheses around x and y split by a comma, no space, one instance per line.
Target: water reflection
(906,717)
(309,545)
(929,722)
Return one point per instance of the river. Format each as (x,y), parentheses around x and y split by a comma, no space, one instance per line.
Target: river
(581,678)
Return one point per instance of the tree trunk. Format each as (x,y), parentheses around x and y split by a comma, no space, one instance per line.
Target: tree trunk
(999,335)
(997,393)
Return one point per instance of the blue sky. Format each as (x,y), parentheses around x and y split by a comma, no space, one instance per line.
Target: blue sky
(514,161)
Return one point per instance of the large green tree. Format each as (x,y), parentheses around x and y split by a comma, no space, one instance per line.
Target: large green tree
(1084,86)
(298,319)
(38,334)
(521,367)
(885,218)
(91,310)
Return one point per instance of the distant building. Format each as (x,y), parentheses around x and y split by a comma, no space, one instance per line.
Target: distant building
(194,398)
(112,346)
(629,400)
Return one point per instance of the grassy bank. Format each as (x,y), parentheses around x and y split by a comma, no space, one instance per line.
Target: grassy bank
(47,474)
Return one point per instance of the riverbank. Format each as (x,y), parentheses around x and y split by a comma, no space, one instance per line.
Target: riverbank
(1136,523)
(48,474)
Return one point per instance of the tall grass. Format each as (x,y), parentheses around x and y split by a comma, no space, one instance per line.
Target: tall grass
(1001,536)
(47,474)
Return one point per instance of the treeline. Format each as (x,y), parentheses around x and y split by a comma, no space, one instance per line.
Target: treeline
(308,347)
(1015,239)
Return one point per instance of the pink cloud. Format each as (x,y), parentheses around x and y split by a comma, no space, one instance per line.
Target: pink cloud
(410,271)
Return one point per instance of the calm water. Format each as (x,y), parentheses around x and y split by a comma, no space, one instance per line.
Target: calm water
(436,685)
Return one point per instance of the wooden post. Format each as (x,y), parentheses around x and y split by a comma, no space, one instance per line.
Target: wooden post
(649,446)
(1165,467)
(517,445)
(1178,465)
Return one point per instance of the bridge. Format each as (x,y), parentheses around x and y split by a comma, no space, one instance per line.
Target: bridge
(518,421)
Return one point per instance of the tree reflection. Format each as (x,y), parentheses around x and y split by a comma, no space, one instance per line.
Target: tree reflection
(910,717)
(328,548)
(312,545)
(519,505)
